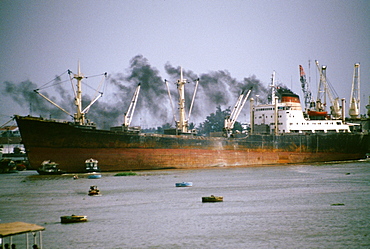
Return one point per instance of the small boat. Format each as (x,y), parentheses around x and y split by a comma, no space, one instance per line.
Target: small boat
(8,166)
(212,198)
(184,184)
(94,191)
(91,165)
(94,176)
(49,168)
(73,218)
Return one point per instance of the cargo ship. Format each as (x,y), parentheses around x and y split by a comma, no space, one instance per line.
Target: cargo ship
(280,134)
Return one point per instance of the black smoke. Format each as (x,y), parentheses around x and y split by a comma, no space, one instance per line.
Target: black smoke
(281,89)
(23,94)
(216,88)
(152,104)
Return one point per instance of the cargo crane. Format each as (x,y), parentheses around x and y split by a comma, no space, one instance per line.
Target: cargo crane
(354,103)
(230,120)
(308,100)
(131,109)
(326,89)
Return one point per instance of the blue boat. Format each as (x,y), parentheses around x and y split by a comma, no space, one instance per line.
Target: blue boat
(184,184)
(94,176)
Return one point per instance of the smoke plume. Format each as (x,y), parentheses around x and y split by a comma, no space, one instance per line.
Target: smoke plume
(23,94)
(216,88)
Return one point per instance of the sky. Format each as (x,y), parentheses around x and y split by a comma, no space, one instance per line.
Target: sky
(227,42)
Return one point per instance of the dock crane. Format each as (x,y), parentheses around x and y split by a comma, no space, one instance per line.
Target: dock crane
(230,120)
(326,89)
(308,100)
(131,109)
(354,103)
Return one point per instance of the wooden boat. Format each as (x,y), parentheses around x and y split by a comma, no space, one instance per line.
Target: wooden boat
(50,168)
(212,198)
(184,184)
(73,218)
(94,191)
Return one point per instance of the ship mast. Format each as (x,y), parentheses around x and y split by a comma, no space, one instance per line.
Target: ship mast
(273,88)
(79,116)
(182,124)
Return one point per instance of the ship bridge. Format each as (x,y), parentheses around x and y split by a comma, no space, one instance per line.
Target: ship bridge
(289,119)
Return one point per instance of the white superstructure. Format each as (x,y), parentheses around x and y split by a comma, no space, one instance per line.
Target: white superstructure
(290,119)
(287,116)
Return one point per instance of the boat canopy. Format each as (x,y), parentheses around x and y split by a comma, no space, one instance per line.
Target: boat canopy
(16,228)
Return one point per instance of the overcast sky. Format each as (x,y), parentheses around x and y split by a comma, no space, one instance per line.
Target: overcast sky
(41,39)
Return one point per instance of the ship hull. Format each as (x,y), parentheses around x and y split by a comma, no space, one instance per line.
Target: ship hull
(70,146)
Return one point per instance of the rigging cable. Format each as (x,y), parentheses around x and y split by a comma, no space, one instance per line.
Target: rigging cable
(53,80)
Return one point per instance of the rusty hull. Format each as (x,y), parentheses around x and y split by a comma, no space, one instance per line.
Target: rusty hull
(70,146)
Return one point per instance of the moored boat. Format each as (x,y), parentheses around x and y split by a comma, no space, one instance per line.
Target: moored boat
(73,218)
(50,168)
(8,166)
(93,176)
(92,165)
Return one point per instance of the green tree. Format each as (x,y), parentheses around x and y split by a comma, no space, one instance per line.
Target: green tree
(215,121)
(191,126)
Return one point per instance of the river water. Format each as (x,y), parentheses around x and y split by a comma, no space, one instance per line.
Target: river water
(296,206)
